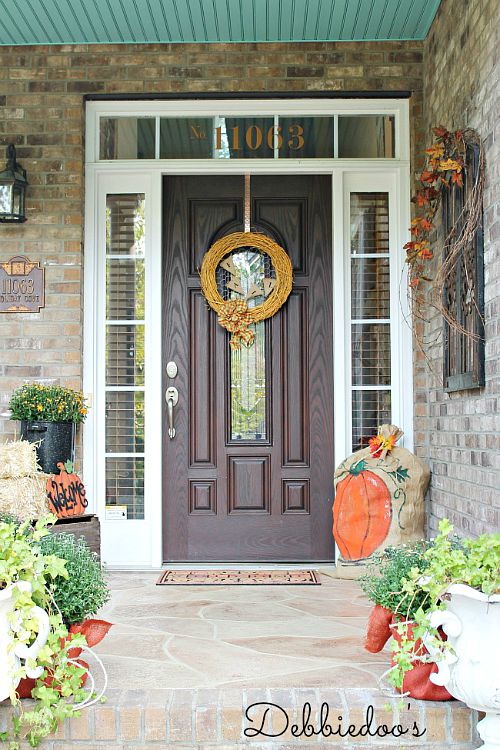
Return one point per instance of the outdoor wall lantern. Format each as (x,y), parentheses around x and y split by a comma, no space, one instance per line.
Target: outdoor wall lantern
(12,189)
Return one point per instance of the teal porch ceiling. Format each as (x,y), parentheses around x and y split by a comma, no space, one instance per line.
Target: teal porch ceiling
(131,21)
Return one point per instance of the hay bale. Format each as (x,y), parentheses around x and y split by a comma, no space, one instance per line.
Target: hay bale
(18,459)
(24,497)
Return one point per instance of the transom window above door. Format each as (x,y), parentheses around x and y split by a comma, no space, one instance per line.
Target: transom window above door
(290,136)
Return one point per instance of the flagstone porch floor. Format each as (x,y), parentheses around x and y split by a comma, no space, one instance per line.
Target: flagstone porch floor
(237,636)
(186,662)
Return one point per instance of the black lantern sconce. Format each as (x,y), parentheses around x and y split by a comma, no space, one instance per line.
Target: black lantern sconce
(12,189)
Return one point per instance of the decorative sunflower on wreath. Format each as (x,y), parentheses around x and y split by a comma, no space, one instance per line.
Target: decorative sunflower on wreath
(246,277)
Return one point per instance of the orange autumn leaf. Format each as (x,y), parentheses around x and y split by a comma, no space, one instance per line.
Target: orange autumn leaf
(428,176)
(457,179)
(420,224)
(439,131)
(423,250)
(436,150)
(421,199)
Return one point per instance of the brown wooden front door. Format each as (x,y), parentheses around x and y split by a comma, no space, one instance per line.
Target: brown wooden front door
(249,473)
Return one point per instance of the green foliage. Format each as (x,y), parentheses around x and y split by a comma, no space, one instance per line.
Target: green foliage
(473,562)
(59,686)
(84,591)
(476,563)
(21,560)
(383,581)
(10,518)
(34,402)
(56,690)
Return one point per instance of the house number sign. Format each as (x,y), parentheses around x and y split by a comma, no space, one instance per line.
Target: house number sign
(253,137)
(22,286)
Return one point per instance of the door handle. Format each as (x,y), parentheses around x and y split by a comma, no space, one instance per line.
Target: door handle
(171,397)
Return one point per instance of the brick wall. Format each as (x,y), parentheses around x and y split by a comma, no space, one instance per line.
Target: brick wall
(42,112)
(459,433)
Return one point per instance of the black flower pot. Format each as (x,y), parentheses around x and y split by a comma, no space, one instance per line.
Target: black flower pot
(56,442)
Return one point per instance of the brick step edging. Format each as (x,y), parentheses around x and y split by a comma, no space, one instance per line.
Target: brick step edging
(210,718)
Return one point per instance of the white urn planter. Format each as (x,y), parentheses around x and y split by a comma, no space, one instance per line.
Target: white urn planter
(472,674)
(11,660)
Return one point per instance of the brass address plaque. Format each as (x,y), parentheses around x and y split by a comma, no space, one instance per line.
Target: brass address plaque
(22,286)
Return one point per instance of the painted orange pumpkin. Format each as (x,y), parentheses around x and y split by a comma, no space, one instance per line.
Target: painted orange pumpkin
(66,492)
(361,513)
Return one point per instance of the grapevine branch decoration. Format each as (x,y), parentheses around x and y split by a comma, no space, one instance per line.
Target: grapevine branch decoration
(444,170)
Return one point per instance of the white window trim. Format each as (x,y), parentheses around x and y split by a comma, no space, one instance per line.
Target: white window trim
(138,544)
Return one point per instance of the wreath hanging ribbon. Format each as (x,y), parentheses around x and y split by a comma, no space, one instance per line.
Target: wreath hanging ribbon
(235,317)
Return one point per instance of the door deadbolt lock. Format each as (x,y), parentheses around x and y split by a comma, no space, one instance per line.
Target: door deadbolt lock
(171,369)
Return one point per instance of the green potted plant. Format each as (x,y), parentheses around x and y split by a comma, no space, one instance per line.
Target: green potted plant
(461,587)
(34,638)
(384,584)
(49,415)
(77,595)
(84,591)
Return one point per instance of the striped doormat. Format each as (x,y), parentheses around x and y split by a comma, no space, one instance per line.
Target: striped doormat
(238,578)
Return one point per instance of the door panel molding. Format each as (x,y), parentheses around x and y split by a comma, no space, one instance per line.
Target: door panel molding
(249,484)
(291,234)
(203,497)
(295,359)
(202,444)
(295,496)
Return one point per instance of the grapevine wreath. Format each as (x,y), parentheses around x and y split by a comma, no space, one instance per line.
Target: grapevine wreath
(234,314)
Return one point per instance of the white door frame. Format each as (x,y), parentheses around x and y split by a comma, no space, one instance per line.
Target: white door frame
(138,544)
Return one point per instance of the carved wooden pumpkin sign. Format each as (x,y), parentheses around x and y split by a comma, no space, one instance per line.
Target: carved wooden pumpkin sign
(362,513)
(66,492)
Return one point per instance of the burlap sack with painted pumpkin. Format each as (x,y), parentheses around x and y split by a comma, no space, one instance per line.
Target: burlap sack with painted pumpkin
(379,497)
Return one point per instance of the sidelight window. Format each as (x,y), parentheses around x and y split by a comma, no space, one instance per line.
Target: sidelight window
(125,357)
(370,314)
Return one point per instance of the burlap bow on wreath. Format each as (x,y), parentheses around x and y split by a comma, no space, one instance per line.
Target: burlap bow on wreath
(234,315)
